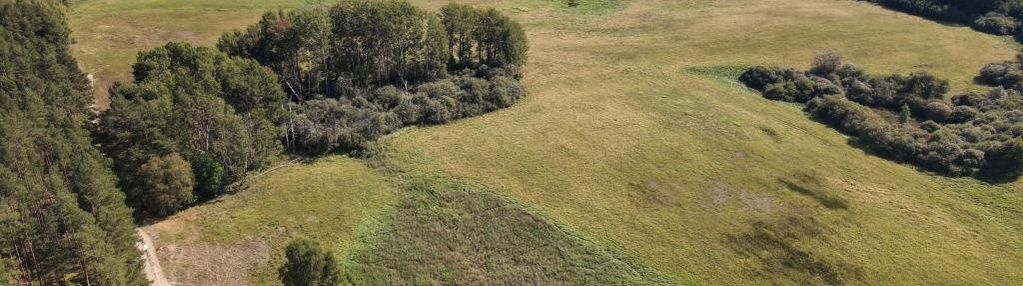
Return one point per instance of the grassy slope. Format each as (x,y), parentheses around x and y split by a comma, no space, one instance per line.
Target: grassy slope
(622,143)
(110,32)
(686,173)
(240,238)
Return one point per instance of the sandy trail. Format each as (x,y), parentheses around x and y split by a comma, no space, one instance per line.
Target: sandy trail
(154,272)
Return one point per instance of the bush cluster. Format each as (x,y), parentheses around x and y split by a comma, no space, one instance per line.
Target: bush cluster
(1008,74)
(907,118)
(349,122)
(999,17)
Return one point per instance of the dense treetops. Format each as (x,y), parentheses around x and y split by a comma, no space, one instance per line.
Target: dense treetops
(485,37)
(362,69)
(223,115)
(359,44)
(62,220)
(909,118)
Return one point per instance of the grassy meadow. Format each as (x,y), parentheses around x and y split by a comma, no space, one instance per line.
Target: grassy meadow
(635,159)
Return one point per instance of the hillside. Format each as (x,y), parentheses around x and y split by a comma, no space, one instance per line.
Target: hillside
(635,159)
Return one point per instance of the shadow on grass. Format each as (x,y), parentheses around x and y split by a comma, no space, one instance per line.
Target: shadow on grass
(776,246)
(444,232)
(825,199)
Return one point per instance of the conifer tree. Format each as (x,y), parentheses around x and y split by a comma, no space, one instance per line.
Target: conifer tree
(62,220)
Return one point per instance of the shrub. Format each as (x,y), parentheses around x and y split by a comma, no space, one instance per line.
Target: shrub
(329,125)
(1006,74)
(996,23)
(939,10)
(937,111)
(760,78)
(922,85)
(825,64)
(1004,161)
(307,264)
(962,114)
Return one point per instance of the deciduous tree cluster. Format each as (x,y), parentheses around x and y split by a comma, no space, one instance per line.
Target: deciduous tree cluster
(362,69)
(223,115)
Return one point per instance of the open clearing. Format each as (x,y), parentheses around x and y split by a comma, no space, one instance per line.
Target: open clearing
(634,159)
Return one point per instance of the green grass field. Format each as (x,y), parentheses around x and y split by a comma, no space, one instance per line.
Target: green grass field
(635,159)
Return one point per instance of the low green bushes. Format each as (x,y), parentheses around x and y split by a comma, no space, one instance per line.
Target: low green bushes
(967,135)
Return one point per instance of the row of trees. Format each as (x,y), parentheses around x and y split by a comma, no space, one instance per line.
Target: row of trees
(907,118)
(360,44)
(196,120)
(1000,17)
(62,219)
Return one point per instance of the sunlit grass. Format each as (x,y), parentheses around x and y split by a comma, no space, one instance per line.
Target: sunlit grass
(635,140)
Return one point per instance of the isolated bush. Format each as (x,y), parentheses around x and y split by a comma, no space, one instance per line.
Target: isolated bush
(825,64)
(167,184)
(937,111)
(308,264)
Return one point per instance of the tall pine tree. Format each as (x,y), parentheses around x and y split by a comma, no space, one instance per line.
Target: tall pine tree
(62,220)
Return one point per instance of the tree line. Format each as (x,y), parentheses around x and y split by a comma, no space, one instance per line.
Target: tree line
(196,120)
(62,219)
(999,17)
(909,118)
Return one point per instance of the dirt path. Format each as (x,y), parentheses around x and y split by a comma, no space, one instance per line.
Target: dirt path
(154,272)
